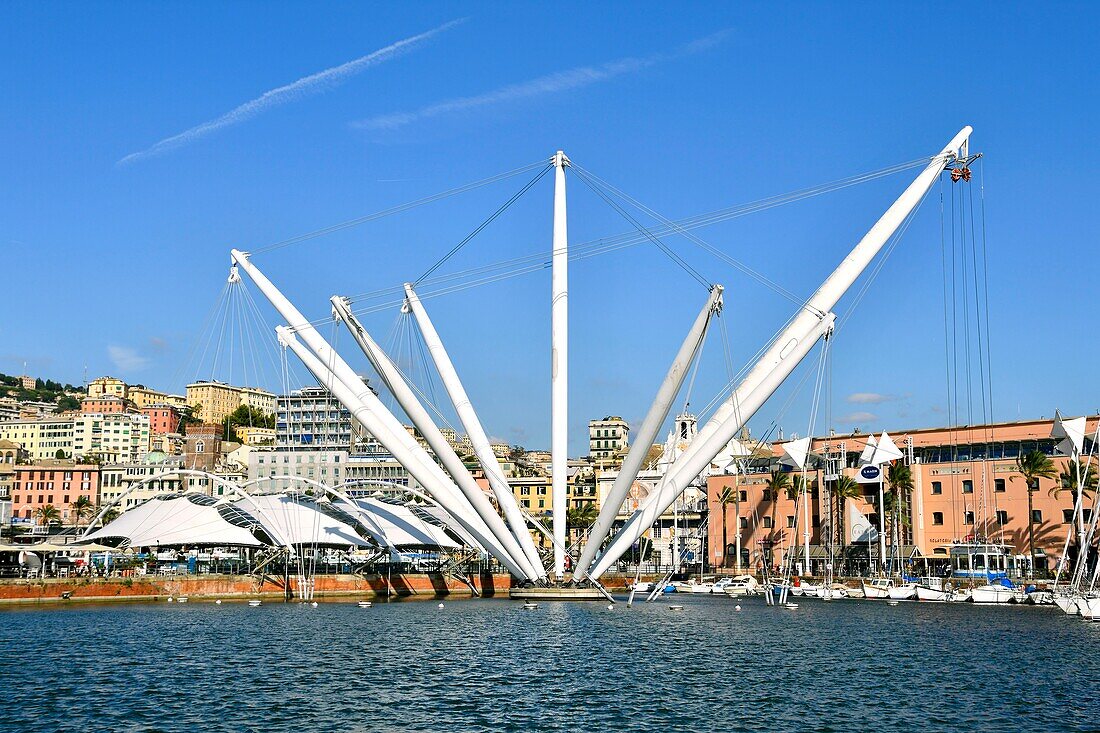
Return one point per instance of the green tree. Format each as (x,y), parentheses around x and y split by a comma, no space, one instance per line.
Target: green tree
(845,489)
(110,515)
(47,515)
(1067,479)
(778,482)
(899,477)
(83,508)
(1033,466)
(66,403)
(728,495)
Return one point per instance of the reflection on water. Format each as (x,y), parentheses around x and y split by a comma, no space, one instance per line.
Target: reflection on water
(490,665)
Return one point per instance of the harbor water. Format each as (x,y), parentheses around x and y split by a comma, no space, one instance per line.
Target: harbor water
(491,665)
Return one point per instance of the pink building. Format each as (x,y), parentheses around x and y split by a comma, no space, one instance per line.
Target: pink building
(57,484)
(163,419)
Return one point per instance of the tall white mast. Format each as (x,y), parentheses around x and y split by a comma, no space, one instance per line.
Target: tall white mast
(813,321)
(412,406)
(374,416)
(472,425)
(559,364)
(647,433)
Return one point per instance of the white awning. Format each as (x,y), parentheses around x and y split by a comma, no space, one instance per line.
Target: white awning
(404,528)
(188,519)
(300,520)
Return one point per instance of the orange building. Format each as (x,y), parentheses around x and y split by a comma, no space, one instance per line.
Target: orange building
(965,486)
(163,419)
(103,405)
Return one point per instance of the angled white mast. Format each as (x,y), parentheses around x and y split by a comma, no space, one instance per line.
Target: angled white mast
(472,425)
(813,322)
(451,501)
(559,365)
(412,406)
(338,376)
(647,433)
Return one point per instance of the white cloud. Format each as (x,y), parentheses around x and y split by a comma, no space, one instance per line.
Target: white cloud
(126,359)
(549,84)
(870,398)
(288,93)
(858,417)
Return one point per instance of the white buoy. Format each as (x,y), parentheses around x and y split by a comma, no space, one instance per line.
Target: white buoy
(891,603)
(171,599)
(792,605)
(182,599)
(217,603)
(364,604)
(254,603)
(610,606)
(314,604)
(737,607)
(676,608)
(440,606)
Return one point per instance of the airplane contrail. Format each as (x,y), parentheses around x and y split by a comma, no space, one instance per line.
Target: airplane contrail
(550,83)
(288,93)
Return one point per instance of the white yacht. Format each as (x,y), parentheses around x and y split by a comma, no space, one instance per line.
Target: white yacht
(877,588)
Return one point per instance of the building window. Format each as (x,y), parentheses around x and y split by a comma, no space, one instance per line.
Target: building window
(1037,516)
(1067,516)
(968,486)
(968,517)
(937,487)
(200,446)
(937,517)
(767,522)
(743,522)
(999,484)
(790,520)
(1002,517)
(742,495)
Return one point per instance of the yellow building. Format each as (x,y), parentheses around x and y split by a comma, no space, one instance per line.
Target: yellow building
(255,436)
(107,387)
(40,439)
(213,401)
(145,397)
(259,399)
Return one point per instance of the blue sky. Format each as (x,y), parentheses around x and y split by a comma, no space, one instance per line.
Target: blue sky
(142,142)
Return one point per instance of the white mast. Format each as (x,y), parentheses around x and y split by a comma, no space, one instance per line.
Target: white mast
(647,433)
(472,425)
(374,416)
(812,322)
(559,364)
(451,501)
(427,427)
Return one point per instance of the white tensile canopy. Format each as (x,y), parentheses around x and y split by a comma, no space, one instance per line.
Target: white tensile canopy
(301,520)
(188,519)
(403,528)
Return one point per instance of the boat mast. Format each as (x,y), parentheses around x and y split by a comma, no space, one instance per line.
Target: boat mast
(412,406)
(559,365)
(813,321)
(647,433)
(472,425)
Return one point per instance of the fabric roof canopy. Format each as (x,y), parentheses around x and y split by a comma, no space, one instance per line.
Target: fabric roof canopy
(188,519)
(403,528)
(300,520)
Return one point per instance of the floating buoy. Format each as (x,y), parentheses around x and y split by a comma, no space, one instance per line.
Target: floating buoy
(217,603)
(440,606)
(610,606)
(364,604)
(314,604)
(171,599)
(182,599)
(254,603)
(791,605)
(737,607)
(676,608)
(529,605)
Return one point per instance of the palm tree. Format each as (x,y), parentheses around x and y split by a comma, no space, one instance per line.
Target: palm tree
(47,515)
(727,496)
(778,481)
(1067,479)
(110,515)
(844,488)
(900,478)
(581,517)
(1033,466)
(82,508)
